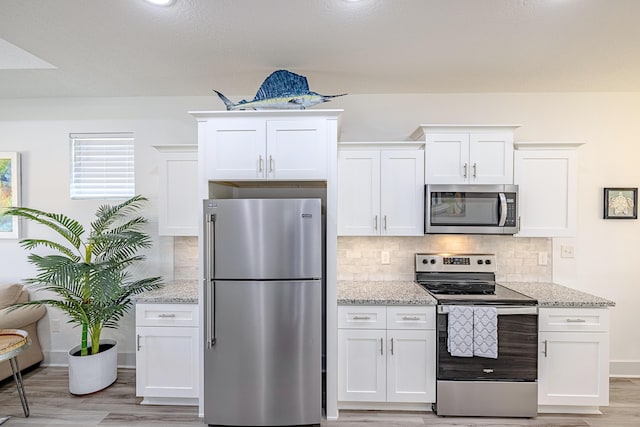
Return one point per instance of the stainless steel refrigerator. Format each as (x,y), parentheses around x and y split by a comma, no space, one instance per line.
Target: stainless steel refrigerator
(263,312)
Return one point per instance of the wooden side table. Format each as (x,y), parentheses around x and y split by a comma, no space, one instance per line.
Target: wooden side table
(12,343)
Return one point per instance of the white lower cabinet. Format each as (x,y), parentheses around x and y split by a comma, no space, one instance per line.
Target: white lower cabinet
(386,354)
(167,354)
(573,365)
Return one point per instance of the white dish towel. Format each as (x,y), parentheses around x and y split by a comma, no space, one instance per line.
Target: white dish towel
(485,332)
(460,331)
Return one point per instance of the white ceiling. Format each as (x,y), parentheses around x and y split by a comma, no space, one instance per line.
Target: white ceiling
(131,48)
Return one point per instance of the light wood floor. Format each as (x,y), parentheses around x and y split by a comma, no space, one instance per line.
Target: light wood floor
(52,405)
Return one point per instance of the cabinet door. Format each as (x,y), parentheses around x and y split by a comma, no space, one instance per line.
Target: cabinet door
(447,158)
(234,149)
(297,149)
(178,195)
(167,362)
(411,366)
(402,193)
(358,193)
(491,158)
(548,187)
(361,365)
(573,368)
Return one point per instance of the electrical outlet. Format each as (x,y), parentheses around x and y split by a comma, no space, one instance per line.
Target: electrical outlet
(384,258)
(55,325)
(543,258)
(566,251)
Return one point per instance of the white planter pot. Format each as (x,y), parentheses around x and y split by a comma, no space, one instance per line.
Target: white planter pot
(88,374)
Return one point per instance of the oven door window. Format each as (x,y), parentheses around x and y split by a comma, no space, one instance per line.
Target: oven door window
(465,208)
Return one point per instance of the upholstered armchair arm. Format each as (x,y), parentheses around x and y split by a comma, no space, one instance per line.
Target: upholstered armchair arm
(21,317)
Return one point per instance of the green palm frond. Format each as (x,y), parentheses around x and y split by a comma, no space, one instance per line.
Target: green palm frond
(92,284)
(70,229)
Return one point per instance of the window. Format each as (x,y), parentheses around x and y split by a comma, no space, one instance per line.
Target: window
(102,166)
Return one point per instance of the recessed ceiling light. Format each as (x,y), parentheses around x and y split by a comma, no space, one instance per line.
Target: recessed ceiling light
(161,2)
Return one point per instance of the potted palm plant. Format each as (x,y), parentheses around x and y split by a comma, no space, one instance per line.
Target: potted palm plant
(88,271)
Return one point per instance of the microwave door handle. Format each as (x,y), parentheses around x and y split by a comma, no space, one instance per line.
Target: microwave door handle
(503,209)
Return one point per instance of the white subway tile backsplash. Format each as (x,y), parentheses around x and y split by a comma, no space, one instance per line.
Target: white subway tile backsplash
(359,258)
(517,258)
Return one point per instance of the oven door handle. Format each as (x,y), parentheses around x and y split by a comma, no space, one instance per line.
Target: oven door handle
(502,311)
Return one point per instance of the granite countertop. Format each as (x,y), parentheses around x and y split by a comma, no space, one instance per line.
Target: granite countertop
(554,295)
(174,292)
(383,293)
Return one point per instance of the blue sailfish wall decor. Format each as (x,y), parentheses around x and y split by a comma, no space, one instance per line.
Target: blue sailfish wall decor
(281,90)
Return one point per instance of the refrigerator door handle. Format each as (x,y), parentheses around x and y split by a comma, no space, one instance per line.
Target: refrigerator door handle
(209,287)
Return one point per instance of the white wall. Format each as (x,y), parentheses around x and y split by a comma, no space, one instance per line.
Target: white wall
(607,252)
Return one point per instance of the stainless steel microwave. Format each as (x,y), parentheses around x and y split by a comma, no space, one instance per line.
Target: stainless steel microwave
(471,209)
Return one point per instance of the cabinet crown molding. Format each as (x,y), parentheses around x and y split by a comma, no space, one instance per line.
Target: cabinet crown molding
(264,113)
(176,148)
(547,145)
(380,145)
(477,128)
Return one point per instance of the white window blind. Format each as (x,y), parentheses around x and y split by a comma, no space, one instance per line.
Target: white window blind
(102,166)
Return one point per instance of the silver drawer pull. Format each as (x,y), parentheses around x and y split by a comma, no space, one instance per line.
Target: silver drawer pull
(488,371)
(166,315)
(361,318)
(410,318)
(576,321)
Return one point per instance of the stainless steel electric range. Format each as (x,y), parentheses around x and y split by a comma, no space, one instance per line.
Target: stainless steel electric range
(503,384)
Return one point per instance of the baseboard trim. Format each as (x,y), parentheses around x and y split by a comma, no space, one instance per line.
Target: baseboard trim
(59,358)
(624,368)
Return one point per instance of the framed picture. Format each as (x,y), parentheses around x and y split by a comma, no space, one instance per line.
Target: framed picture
(9,193)
(620,203)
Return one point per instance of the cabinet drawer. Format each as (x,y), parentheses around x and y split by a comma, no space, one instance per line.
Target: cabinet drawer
(411,317)
(574,319)
(167,315)
(362,317)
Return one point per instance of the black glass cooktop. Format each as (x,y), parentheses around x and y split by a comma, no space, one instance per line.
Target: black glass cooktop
(500,296)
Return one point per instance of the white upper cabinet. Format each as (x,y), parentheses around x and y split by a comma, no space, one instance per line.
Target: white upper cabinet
(380,191)
(266,145)
(546,174)
(178,193)
(464,154)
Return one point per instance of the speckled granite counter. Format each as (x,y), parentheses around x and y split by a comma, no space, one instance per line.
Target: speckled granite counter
(382,293)
(554,295)
(175,292)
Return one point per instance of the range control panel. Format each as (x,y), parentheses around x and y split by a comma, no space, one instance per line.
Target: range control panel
(456,262)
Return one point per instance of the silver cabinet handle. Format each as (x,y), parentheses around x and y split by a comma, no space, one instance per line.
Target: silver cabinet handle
(375,222)
(385,222)
(270,164)
(361,317)
(465,170)
(167,315)
(381,345)
(410,318)
(260,164)
(138,341)
(474,170)
(391,346)
(576,321)
(545,348)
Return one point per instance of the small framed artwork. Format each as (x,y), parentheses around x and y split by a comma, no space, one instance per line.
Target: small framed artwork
(9,193)
(620,203)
